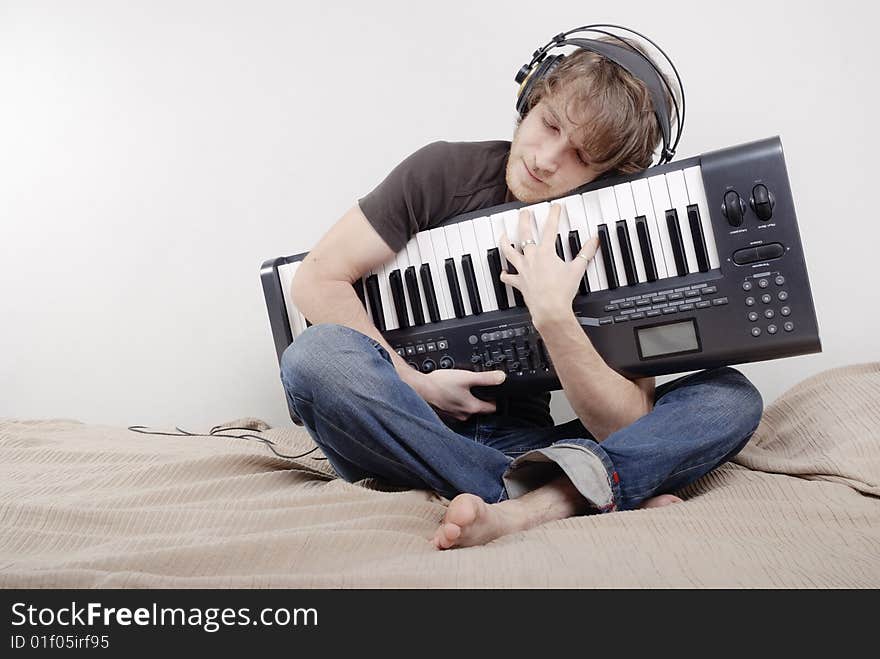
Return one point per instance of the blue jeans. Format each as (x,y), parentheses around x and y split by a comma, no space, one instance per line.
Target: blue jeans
(369,423)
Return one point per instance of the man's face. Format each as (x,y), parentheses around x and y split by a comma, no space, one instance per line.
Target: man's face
(545,160)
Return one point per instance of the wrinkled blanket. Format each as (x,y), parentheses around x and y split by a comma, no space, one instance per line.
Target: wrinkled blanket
(99,506)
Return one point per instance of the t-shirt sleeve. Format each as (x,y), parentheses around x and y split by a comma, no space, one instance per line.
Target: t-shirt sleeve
(415,192)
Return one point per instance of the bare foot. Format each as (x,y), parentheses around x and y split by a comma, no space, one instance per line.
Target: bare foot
(471,521)
(660,501)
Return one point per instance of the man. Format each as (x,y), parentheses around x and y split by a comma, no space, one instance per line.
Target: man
(503,463)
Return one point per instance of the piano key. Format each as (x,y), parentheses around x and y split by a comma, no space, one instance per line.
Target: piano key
(559,251)
(607,256)
(434,270)
(510,225)
(454,289)
(470,282)
(286,273)
(697,236)
(594,217)
(610,215)
(471,246)
(626,251)
(574,240)
(383,272)
(494,258)
(402,264)
(456,251)
(645,208)
(427,280)
(675,237)
(416,261)
(693,179)
(441,253)
(398,296)
(374,295)
(411,281)
(573,211)
(679,197)
(485,243)
(626,203)
(660,202)
(644,238)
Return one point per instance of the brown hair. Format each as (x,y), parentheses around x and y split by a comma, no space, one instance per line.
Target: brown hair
(611,109)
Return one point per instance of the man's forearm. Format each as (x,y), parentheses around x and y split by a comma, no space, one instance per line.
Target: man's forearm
(336,302)
(603,400)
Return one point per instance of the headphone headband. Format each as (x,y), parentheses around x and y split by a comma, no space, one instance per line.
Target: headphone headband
(630,59)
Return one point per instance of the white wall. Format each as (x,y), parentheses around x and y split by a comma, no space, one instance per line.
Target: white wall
(152,157)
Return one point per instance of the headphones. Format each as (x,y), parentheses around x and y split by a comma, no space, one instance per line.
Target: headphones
(635,62)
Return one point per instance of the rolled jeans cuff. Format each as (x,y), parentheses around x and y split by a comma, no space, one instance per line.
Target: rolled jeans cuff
(588,468)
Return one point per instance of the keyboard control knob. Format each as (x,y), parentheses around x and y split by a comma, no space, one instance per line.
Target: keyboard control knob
(446,362)
(733,208)
(762,202)
(428,366)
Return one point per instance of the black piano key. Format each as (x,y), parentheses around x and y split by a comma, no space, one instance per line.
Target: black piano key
(626,253)
(681,264)
(470,282)
(607,256)
(517,296)
(693,212)
(574,244)
(645,245)
(308,322)
(494,259)
(395,281)
(359,289)
(454,290)
(415,298)
(559,251)
(430,293)
(375,302)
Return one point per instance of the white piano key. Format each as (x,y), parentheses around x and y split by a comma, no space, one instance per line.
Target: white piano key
(660,200)
(426,249)
(642,199)
(456,251)
(593,213)
(693,178)
(679,198)
(486,241)
(610,215)
(285,276)
(573,210)
(416,260)
(402,258)
(624,195)
(388,309)
(500,226)
(441,253)
(470,244)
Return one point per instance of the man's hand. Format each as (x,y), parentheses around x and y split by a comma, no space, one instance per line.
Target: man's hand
(448,391)
(547,283)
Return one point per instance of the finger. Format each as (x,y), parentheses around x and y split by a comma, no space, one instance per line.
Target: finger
(551,229)
(586,254)
(509,252)
(525,227)
(488,378)
(510,280)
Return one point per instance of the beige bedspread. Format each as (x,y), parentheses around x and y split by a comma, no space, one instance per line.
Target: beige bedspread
(99,506)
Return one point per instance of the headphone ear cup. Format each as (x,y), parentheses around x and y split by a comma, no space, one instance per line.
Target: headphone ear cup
(543,69)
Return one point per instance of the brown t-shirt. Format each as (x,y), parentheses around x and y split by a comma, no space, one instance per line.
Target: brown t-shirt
(438,182)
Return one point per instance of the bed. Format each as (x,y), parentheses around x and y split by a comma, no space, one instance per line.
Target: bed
(93,506)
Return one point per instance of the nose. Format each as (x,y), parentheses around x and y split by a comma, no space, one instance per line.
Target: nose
(548,156)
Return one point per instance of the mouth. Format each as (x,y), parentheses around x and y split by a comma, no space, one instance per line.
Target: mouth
(535,178)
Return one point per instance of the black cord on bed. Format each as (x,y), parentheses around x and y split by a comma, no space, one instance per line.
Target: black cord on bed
(265,440)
